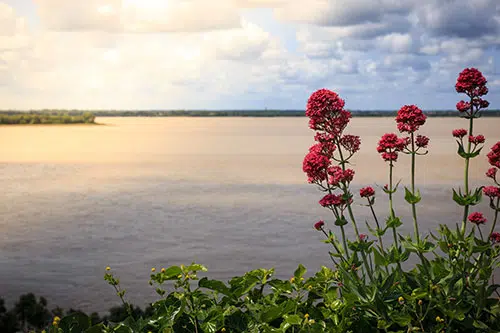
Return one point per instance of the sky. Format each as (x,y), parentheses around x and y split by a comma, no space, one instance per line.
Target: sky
(243,54)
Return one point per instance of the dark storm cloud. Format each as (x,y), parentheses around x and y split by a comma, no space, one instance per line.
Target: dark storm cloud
(347,12)
(459,18)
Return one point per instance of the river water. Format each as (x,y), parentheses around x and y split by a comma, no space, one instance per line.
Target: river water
(136,193)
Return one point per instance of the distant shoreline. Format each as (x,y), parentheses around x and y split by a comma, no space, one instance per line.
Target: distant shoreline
(59,115)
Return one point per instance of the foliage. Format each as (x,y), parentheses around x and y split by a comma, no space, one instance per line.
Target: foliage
(365,289)
(44,118)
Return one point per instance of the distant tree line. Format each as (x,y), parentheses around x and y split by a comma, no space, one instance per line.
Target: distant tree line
(80,116)
(32,314)
(267,113)
(11,118)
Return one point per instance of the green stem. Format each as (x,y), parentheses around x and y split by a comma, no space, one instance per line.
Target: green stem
(414,205)
(351,214)
(378,227)
(495,218)
(480,232)
(336,215)
(342,229)
(334,246)
(391,166)
(345,189)
(466,172)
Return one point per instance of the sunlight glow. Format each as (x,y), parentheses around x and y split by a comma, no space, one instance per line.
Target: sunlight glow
(146,4)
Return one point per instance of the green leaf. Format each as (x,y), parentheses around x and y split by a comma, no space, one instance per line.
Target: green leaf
(122,329)
(99,328)
(75,322)
(380,260)
(293,319)
(412,198)
(459,198)
(461,150)
(196,268)
(403,319)
(172,272)
(281,286)
(480,324)
(477,196)
(393,222)
(341,221)
(300,271)
(474,154)
(214,285)
(271,313)
(388,282)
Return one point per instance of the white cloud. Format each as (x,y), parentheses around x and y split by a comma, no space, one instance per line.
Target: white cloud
(137,16)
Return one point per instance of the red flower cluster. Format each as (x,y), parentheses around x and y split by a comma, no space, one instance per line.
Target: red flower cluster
(367,192)
(477,218)
(459,133)
(389,146)
(350,143)
(472,82)
(421,141)
(476,139)
(491,173)
(491,191)
(479,102)
(363,237)
(463,106)
(337,175)
(326,112)
(326,148)
(410,118)
(315,165)
(332,200)
(494,155)
(319,225)
(495,237)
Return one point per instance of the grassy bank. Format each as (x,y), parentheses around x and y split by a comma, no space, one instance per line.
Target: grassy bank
(46,118)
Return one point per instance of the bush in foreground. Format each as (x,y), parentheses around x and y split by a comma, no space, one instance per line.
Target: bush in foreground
(365,288)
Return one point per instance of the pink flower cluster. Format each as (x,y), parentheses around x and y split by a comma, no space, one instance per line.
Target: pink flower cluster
(477,218)
(327,116)
(492,173)
(319,225)
(471,82)
(459,133)
(350,143)
(410,118)
(389,146)
(492,191)
(338,175)
(315,166)
(326,112)
(476,139)
(494,155)
(421,141)
(332,200)
(495,237)
(367,192)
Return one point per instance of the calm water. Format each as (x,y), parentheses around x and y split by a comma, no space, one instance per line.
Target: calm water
(225,192)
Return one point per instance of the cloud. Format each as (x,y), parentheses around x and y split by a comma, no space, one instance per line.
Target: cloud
(137,16)
(138,54)
(458,18)
(341,12)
